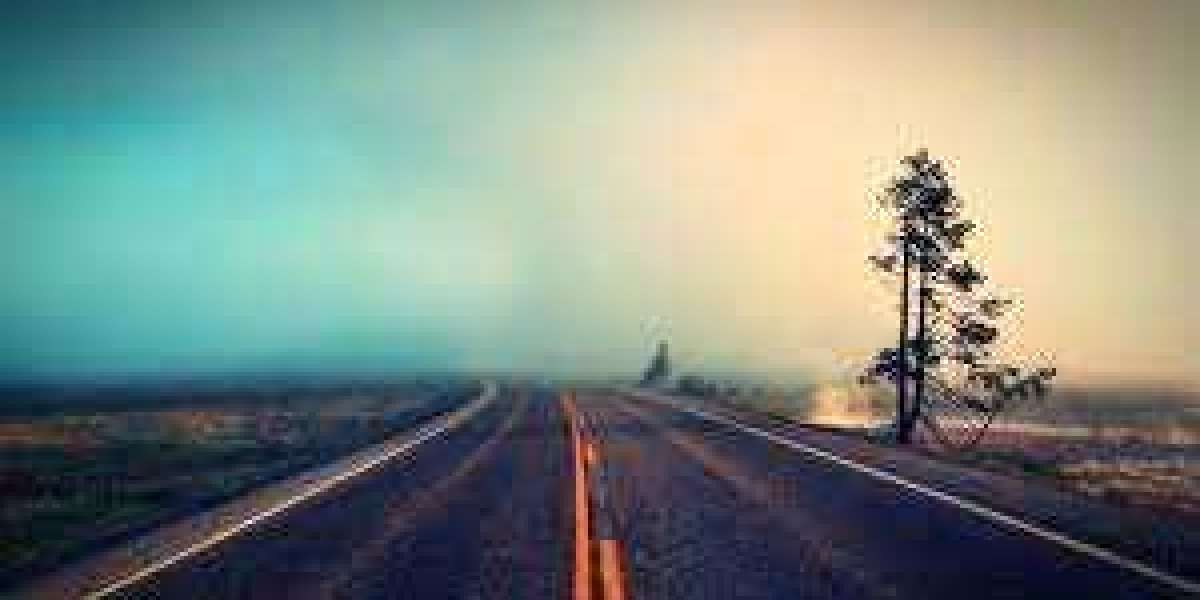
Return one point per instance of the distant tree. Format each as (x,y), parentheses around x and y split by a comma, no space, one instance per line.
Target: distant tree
(659,367)
(943,365)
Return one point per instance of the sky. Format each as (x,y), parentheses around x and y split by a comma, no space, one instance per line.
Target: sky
(553,186)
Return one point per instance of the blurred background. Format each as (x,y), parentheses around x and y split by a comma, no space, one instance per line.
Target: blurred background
(272,187)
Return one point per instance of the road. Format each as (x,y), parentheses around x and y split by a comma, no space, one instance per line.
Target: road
(600,495)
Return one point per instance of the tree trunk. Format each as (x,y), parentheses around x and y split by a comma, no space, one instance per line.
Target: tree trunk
(918,399)
(902,424)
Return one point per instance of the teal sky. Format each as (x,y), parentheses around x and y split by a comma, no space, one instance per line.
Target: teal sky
(547,186)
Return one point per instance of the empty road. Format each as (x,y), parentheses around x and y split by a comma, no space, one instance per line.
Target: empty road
(599,494)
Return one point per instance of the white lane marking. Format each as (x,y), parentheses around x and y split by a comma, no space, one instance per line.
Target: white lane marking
(427,433)
(1096,552)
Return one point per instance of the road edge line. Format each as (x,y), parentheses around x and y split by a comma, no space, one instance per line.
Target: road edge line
(424,434)
(1096,552)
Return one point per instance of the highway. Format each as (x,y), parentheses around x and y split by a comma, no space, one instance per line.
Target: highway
(601,494)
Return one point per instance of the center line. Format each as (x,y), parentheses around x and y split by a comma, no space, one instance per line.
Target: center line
(583,545)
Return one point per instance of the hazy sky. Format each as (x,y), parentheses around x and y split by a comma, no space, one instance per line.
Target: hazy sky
(550,185)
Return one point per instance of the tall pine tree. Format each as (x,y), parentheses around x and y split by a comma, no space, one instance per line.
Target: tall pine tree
(948,324)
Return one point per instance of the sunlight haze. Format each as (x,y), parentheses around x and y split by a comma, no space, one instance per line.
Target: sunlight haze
(551,187)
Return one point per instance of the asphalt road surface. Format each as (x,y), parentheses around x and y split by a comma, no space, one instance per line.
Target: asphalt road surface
(599,495)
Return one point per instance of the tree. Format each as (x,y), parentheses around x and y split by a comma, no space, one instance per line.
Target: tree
(943,363)
(659,367)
